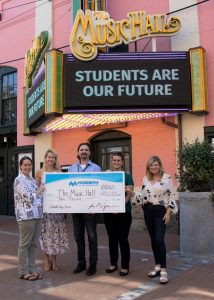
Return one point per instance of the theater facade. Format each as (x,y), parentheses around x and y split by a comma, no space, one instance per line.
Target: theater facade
(134,80)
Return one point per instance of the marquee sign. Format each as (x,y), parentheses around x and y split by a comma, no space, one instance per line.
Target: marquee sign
(95,29)
(44,100)
(128,82)
(35,101)
(35,56)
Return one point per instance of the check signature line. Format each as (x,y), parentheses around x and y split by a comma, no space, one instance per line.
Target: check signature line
(103,206)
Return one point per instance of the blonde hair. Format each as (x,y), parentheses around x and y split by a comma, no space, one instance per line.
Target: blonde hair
(54,153)
(149,163)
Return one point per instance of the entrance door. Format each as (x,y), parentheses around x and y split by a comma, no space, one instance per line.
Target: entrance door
(9,169)
(3,182)
(107,143)
(13,169)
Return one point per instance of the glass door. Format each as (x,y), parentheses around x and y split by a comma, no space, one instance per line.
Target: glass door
(108,150)
(3,182)
(103,151)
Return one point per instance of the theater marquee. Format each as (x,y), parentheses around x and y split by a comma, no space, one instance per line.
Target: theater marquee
(134,81)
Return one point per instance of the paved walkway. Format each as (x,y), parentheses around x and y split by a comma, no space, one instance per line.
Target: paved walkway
(189,279)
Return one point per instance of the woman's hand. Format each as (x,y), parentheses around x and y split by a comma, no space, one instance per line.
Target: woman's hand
(128,190)
(166,217)
(40,189)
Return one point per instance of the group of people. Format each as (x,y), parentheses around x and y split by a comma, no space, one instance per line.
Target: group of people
(158,202)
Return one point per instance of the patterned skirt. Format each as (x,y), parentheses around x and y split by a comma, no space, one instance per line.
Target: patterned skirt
(54,238)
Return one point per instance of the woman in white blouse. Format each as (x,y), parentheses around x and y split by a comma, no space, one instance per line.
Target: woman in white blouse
(158,204)
(28,210)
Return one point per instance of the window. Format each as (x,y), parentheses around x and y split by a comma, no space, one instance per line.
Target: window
(94,4)
(209,134)
(9,86)
(9,98)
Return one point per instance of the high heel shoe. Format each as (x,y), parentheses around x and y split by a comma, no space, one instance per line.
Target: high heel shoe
(124,272)
(163,277)
(155,272)
(111,269)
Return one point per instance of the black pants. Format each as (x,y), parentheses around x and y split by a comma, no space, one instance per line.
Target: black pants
(118,226)
(80,222)
(153,215)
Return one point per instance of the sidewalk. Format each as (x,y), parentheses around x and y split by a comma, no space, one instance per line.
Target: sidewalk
(189,279)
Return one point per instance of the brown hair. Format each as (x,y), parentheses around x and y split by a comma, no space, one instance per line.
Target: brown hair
(56,164)
(149,163)
(84,144)
(118,154)
(25,158)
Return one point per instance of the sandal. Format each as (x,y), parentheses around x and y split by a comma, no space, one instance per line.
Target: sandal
(47,267)
(163,277)
(29,277)
(37,275)
(155,272)
(55,267)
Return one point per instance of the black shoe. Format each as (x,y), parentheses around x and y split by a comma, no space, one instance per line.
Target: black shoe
(91,270)
(111,269)
(124,273)
(79,268)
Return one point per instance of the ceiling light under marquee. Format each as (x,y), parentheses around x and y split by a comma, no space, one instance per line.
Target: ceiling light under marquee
(69,121)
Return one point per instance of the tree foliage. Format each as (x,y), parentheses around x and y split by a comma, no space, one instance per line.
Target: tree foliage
(196,165)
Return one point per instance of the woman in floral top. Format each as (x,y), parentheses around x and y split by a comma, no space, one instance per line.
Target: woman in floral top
(28,210)
(158,204)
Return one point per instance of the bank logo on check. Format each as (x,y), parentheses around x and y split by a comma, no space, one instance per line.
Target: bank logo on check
(85,182)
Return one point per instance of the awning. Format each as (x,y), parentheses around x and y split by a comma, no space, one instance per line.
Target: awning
(69,121)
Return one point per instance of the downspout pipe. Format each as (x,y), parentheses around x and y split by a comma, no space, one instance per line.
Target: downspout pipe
(180,133)
(164,121)
(180,143)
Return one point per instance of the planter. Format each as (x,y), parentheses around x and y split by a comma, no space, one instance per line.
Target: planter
(207,186)
(196,225)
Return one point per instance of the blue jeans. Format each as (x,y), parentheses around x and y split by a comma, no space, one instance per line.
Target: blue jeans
(153,215)
(80,222)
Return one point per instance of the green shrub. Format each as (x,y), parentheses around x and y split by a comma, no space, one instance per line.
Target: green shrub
(196,166)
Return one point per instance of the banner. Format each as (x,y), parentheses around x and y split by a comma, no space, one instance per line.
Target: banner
(100,192)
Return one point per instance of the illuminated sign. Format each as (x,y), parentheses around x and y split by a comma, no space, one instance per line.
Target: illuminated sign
(34,57)
(132,81)
(45,98)
(95,29)
(199,80)
(35,102)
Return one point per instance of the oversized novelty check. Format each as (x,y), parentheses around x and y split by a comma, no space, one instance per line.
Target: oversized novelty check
(100,192)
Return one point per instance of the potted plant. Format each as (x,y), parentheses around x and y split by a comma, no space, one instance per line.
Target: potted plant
(196,174)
